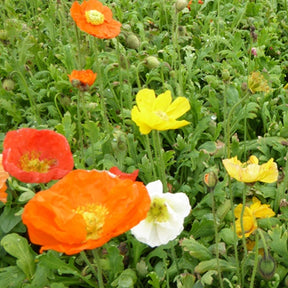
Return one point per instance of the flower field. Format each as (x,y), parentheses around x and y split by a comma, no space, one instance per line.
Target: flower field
(143,143)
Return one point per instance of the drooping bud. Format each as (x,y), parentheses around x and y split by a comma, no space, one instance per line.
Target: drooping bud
(267,266)
(152,62)
(181,4)
(8,84)
(132,41)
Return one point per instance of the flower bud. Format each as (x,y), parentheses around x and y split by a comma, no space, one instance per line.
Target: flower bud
(253,51)
(8,84)
(210,179)
(181,4)
(132,41)
(225,75)
(267,266)
(3,35)
(152,62)
(181,31)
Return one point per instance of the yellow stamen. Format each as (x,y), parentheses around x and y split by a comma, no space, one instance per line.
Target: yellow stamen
(31,162)
(94,216)
(94,17)
(158,211)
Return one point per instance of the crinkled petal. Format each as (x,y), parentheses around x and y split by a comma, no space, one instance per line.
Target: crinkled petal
(268,172)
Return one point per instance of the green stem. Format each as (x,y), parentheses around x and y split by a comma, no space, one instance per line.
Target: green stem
(95,253)
(78,46)
(211,190)
(255,262)
(264,242)
(232,110)
(88,263)
(150,156)
(160,159)
(79,126)
(101,87)
(243,262)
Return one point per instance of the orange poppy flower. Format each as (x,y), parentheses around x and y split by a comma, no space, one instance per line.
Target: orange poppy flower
(84,210)
(3,177)
(36,156)
(82,78)
(122,175)
(96,19)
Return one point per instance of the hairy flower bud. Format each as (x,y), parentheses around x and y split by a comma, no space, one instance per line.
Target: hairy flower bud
(267,266)
(181,4)
(152,62)
(8,84)
(132,41)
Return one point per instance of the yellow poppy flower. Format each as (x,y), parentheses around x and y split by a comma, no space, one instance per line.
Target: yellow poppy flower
(158,113)
(256,210)
(250,171)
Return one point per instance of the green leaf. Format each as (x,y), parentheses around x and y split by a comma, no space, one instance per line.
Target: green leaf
(11,276)
(212,264)
(278,243)
(54,262)
(8,219)
(127,279)
(18,247)
(67,128)
(26,196)
(196,249)
(116,265)
(154,281)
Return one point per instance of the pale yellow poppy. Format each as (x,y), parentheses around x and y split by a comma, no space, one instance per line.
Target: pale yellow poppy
(251,171)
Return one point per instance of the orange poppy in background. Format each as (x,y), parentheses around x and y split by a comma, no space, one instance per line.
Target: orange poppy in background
(36,156)
(84,210)
(85,77)
(96,19)
(116,171)
(3,177)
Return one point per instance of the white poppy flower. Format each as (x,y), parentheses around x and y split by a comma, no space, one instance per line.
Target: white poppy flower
(164,221)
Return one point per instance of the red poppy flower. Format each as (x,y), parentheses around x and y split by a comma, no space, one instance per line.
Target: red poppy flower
(84,210)
(3,177)
(82,78)
(122,175)
(96,19)
(190,2)
(36,156)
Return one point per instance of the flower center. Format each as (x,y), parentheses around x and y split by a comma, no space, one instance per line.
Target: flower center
(94,17)
(158,211)
(162,115)
(31,162)
(94,216)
